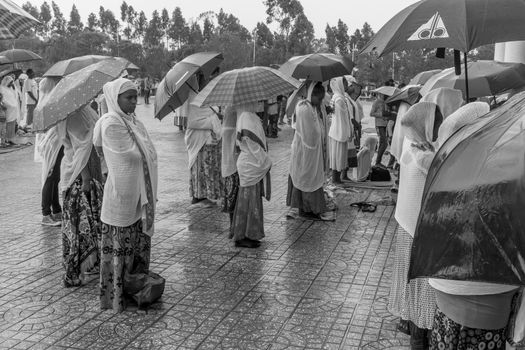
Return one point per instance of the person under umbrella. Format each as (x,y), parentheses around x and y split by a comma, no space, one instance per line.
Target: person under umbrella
(229,156)
(305,183)
(130,192)
(81,184)
(447,99)
(414,301)
(253,166)
(340,130)
(469,314)
(381,114)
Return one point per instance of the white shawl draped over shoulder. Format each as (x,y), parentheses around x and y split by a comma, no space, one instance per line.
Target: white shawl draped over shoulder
(229,133)
(254,162)
(448,100)
(125,193)
(341,127)
(307,163)
(396,148)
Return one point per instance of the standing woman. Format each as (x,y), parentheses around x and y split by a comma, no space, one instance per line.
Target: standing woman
(230,154)
(305,183)
(340,130)
(81,184)
(10,100)
(130,192)
(253,166)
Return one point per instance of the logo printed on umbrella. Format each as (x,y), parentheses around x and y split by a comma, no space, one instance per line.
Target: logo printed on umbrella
(433,29)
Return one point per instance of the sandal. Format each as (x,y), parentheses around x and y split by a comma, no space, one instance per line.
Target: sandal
(365,206)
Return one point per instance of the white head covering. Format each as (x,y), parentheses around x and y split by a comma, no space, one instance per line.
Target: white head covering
(127,86)
(364,157)
(337,86)
(396,148)
(463,116)
(448,100)
(341,128)
(111,92)
(10,99)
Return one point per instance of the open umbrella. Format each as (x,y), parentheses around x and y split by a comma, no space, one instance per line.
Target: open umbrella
(295,97)
(422,77)
(14,20)
(317,66)
(471,226)
(245,85)
(459,24)
(14,71)
(386,90)
(174,90)
(409,94)
(65,67)
(20,55)
(486,78)
(75,91)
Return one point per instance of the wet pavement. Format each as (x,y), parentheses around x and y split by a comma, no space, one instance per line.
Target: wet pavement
(311,285)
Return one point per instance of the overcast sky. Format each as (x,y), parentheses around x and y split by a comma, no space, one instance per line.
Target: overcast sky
(320,12)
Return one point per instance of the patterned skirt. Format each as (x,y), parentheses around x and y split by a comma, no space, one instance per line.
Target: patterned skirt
(449,335)
(309,202)
(81,230)
(248,219)
(231,191)
(205,174)
(123,249)
(415,300)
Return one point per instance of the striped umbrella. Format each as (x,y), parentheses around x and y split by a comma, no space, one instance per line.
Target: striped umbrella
(14,20)
(245,85)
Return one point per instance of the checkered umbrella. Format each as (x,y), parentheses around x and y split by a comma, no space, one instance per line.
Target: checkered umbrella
(20,55)
(74,91)
(14,20)
(245,85)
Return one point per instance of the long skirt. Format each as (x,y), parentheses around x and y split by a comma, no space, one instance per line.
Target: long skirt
(123,249)
(309,202)
(10,130)
(415,300)
(449,335)
(81,230)
(248,219)
(338,154)
(231,191)
(205,174)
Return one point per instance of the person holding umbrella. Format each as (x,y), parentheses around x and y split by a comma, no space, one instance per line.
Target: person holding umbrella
(130,192)
(381,114)
(12,107)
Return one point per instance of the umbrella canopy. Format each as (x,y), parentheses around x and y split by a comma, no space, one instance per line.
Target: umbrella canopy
(422,77)
(173,90)
(486,78)
(14,71)
(75,91)
(20,55)
(245,85)
(409,94)
(386,90)
(295,97)
(14,20)
(459,24)
(65,67)
(317,66)
(471,226)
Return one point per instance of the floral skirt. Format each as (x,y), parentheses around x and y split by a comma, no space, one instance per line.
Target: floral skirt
(123,249)
(415,300)
(449,335)
(248,219)
(81,230)
(205,174)
(230,193)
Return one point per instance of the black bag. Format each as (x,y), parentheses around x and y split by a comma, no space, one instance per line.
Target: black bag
(144,288)
(352,158)
(379,174)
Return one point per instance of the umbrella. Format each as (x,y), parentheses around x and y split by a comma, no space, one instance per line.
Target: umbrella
(75,91)
(173,90)
(386,90)
(20,55)
(409,94)
(245,85)
(294,98)
(471,226)
(422,77)
(14,20)
(459,24)
(317,66)
(486,78)
(14,71)
(65,67)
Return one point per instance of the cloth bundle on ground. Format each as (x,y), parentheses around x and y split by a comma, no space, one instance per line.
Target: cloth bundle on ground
(144,288)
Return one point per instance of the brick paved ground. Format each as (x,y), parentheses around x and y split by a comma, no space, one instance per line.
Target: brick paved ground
(311,285)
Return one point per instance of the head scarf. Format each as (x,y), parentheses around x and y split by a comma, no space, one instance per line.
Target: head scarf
(10,100)
(463,116)
(364,157)
(128,85)
(111,92)
(8,79)
(448,100)
(341,127)
(337,86)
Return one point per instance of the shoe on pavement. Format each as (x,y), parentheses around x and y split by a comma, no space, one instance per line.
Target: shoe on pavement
(57,217)
(47,220)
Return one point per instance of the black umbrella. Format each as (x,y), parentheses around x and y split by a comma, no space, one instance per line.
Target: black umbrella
(471,226)
(317,66)
(20,55)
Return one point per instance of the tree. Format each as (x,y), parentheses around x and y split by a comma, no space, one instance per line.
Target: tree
(178,31)
(228,23)
(75,24)
(124,12)
(108,23)
(195,37)
(301,35)
(283,12)
(342,38)
(92,22)
(153,36)
(45,18)
(207,30)
(366,34)
(264,37)
(165,20)
(58,26)
(141,24)
(33,11)
(131,15)
(331,40)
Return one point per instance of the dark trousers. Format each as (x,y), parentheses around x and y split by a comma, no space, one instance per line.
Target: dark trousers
(147,94)
(383,142)
(30,112)
(419,337)
(50,196)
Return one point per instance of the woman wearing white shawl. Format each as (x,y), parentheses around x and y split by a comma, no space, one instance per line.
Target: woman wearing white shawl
(229,162)
(340,130)
(469,307)
(413,301)
(448,100)
(10,99)
(130,192)
(81,183)
(202,139)
(364,158)
(305,183)
(253,166)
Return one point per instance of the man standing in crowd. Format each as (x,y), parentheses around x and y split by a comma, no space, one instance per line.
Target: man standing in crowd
(31,93)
